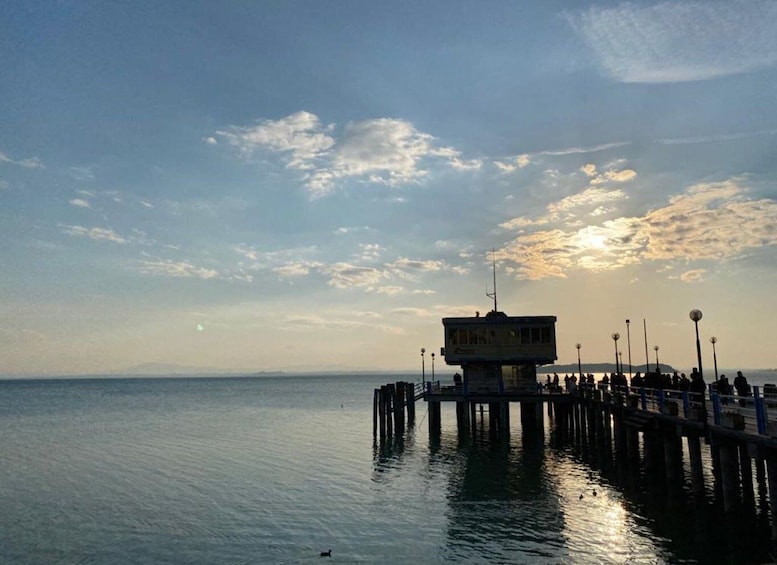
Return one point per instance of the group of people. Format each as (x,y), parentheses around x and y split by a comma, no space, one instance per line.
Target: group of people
(660,381)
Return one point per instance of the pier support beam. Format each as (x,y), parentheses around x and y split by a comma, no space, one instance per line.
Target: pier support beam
(729,471)
(697,472)
(462,416)
(435,419)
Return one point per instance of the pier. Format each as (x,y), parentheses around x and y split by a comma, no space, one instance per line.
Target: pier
(636,427)
(677,439)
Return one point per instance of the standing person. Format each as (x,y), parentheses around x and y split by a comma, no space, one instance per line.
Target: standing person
(724,389)
(743,388)
(698,390)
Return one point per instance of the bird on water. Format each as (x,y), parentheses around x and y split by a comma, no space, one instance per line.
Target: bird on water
(326,553)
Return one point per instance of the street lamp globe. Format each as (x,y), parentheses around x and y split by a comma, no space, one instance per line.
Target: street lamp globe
(695,315)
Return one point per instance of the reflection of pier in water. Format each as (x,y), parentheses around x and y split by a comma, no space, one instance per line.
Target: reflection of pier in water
(507,493)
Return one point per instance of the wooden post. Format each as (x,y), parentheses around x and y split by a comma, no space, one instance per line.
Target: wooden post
(410,396)
(673,458)
(388,399)
(435,419)
(399,407)
(375,394)
(729,472)
(697,472)
(382,411)
(462,416)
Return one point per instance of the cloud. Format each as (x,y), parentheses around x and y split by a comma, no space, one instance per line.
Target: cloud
(299,134)
(582,150)
(336,322)
(680,41)
(381,151)
(176,269)
(404,264)
(79,202)
(29,163)
(82,173)
(346,275)
(97,234)
(596,201)
(298,269)
(692,276)
(708,221)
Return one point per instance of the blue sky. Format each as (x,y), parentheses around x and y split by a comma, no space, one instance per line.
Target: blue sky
(314,185)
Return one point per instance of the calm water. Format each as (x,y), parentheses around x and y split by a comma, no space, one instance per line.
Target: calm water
(275,470)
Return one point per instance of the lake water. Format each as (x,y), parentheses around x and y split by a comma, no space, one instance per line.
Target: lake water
(276,470)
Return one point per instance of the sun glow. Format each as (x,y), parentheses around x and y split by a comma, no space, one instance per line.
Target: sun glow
(589,239)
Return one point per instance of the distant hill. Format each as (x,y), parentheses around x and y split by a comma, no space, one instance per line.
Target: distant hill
(601,368)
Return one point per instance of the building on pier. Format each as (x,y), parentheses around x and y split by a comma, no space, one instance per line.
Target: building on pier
(499,354)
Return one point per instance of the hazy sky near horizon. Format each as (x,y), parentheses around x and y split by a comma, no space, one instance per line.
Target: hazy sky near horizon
(314,185)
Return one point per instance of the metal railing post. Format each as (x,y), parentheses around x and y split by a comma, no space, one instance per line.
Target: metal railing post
(760,410)
(716,416)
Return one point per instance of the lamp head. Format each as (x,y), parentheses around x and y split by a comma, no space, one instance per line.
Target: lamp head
(713,339)
(695,315)
(616,336)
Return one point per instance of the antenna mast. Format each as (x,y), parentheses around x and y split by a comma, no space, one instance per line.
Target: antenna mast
(493,294)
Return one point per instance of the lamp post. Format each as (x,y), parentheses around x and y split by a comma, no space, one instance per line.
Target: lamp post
(656,348)
(713,341)
(579,366)
(615,337)
(423,371)
(695,315)
(620,357)
(432,366)
(628,342)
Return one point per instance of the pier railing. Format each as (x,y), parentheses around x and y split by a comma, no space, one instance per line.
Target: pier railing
(756,414)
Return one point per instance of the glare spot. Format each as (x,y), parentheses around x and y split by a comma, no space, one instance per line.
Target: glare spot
(200,328)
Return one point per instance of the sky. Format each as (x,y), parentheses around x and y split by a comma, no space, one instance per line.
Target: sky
(306,185)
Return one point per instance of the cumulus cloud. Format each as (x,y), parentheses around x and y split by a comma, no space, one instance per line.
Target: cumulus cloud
(300,135)
(706,221)
(80,203)
(680,41)
(384,150)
